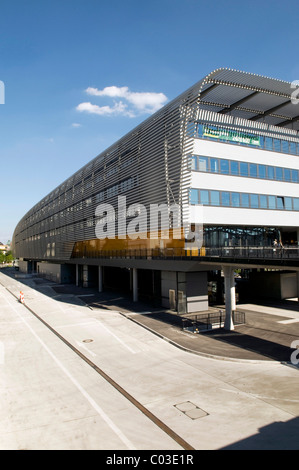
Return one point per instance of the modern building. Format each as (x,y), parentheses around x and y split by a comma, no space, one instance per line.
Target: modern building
(226,152)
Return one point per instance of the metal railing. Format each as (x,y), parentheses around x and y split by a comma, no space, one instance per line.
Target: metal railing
(209,321)
(235,252)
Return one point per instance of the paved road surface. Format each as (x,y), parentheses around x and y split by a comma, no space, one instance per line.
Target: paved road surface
(52,399)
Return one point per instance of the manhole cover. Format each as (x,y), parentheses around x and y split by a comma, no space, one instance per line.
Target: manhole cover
(87,341)
(191,410)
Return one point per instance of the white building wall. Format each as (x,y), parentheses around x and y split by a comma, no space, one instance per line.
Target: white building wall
(243,216)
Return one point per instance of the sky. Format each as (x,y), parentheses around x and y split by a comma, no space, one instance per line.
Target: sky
(80,74)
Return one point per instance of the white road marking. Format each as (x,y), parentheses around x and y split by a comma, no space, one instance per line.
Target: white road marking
(116,337)
(286,322)
(92,402)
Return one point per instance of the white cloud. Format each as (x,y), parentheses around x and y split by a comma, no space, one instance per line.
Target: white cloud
(117,108)
(137,102)
(76,124)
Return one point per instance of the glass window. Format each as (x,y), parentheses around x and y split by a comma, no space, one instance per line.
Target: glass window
(236,199)
(272,202)
(287,174)
(296,203)
(193,162)
(200,130)
(224,167)
(204,197)
(245,200)
(279,174)
(215,198)
(203,164)
(262,171)
(253,170)
(293,148)
(285,146)
(194,196)
(270,172)
(288,203)
(254,201)
(268,143)
(277,145)
(225,198)
(263,202)
(280,202)
(214,165)
(243,169)
(234,168)
(295,176)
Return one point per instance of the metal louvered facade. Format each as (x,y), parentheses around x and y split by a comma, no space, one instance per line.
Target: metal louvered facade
(148,166)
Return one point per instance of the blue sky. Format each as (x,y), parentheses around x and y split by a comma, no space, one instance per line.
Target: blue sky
(79,74)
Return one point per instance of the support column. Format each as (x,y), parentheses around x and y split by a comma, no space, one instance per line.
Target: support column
(77,275)
(135,285)
(230,297)
(100,278)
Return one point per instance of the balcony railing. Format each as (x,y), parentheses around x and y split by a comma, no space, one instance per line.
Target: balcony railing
(209,321)
(236,252)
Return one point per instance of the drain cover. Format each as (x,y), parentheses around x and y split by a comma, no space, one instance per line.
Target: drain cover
(191,410)
(87,341)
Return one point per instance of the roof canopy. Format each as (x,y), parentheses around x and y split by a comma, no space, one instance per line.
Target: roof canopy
(251,97)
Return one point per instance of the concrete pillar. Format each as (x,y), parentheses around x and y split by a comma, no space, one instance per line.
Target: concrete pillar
(77,275)
(230,302)
(100,278)
(135,285)
(85,275)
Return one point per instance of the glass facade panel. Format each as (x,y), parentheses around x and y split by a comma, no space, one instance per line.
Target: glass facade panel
(253,170)
(234,168)
(235,199)
(280,202)
(243,169)
(204,197)
(245,200)
(287,175)
(277,145)
(193,162)
(269,143)
(272,202)
(296,204)
(194,199)
(224,167)
(254,201)
(295,176)
(270,172)
(225,198)
(214,165)
(203,164)
(262,171)
(263,202)
(288,203)
(279,174)
(215,198)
